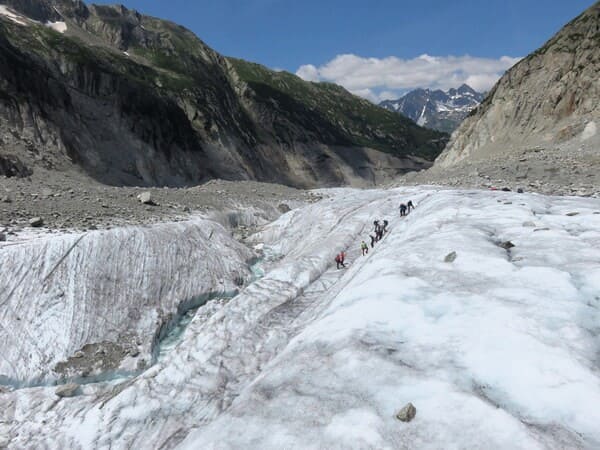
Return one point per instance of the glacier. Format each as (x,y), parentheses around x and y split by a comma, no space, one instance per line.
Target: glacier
(498,348)
(122,286)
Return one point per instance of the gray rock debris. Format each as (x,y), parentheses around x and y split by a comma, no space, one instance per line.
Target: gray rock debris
(407,413)
(529,224)
(450,257)
(67,390)
(507,245)
(283,207)
(36,222)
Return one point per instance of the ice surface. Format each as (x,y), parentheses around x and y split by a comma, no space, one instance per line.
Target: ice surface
(60,292)
(498,349)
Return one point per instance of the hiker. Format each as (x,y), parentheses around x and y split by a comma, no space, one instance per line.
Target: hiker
(402,209)
(372,236)
(339,259)
(376,224)
(379,234)
(385,225)
(364,248)
(410,205)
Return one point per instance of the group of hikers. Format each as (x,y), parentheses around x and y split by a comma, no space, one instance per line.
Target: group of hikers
(405,209)
(381,227)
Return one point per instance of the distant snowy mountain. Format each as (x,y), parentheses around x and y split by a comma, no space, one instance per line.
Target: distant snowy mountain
(437,109)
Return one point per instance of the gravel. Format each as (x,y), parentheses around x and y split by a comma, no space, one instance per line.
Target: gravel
(71,202)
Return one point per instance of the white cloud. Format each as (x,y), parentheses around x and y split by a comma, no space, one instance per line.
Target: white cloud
(308,72)
(380,78)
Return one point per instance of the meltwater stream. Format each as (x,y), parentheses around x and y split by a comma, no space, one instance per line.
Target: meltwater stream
(168,343)
(165,344)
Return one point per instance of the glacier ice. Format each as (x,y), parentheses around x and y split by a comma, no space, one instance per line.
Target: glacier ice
(121,286)
(498,348)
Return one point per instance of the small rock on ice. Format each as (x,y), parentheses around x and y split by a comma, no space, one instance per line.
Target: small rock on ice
(68,390)
(407,413)
(283,208)
(450,257)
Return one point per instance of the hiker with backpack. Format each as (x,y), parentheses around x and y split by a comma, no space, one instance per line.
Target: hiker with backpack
(402,209)
(385,225)
(410,205)
(339,259)
(364,248)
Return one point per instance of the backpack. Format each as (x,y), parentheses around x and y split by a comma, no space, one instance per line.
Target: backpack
(338,258)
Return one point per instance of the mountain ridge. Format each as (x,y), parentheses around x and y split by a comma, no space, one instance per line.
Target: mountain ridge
(437,109)
(538,127)
(547,99)
(141,101)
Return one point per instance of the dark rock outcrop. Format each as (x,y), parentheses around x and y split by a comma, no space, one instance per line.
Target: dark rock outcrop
(11,166)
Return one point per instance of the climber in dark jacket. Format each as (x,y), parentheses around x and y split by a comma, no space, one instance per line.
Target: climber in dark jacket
(372,236)
(410,205)
(402,209)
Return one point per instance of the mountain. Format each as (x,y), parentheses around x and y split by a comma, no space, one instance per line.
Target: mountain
(135,100)
(439,110)
(540,121)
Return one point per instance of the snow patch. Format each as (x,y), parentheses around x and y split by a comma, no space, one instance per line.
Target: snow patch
(17,18)
(589,131)
(422,120)
(61,27)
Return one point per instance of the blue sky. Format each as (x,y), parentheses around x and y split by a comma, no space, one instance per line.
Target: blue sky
(288,34)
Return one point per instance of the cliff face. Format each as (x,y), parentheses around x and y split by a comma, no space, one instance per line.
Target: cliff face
(547,101)
(134,100)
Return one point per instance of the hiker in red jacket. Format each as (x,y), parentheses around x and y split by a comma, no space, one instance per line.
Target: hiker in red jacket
(339,259)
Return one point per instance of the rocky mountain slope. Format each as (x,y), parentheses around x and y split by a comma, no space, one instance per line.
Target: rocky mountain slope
(437,109)
(134,100)
(539,124)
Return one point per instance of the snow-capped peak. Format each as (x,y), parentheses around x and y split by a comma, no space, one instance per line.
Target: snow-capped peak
(441,110)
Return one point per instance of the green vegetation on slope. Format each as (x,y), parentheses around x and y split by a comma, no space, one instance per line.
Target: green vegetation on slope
(357,121)
(52,45)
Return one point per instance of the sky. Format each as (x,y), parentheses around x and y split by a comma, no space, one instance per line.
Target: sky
(378,49)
